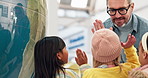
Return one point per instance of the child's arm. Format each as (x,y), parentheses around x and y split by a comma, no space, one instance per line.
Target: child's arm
(82,60)
(130,51)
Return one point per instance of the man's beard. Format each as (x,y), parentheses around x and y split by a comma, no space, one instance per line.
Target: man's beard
(120,18)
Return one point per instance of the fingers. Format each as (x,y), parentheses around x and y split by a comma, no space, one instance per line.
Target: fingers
(101,24)
(111,28)
(76,59)
(97,25)
(130,41)
(92,30)
(79,53)
(134,38)
(84,54)
(85,57)
(129,36)
(81,57)
(122,44)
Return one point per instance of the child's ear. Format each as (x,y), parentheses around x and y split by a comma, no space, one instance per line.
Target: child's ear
(59,55)
(145,56)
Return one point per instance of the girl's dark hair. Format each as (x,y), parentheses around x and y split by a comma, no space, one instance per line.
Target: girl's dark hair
(47,64)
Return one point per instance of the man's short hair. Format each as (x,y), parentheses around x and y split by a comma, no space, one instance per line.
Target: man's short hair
(129,1)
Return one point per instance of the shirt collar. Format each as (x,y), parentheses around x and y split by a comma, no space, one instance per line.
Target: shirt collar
(135,22)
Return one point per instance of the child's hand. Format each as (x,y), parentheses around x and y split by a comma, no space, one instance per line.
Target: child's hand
(81,57)
(131,40)
(98,25)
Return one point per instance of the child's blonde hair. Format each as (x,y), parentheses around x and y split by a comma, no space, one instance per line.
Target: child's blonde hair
(137,74)
(97,63)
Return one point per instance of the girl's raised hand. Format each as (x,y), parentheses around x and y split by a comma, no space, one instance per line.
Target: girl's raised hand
(81,57)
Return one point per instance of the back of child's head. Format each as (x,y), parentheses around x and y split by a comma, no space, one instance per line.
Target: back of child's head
(46,61)
(106,46)
(145,42)
(137,74)
(143,50)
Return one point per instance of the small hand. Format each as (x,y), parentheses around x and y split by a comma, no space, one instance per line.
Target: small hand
(98,25)
(81,57)
(131,41)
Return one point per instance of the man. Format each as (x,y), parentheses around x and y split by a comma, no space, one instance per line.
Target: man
(123,22)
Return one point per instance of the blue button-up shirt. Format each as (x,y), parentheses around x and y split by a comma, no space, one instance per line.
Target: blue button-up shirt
(140,26)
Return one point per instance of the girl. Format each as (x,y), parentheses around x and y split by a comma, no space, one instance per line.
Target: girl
(143,53)
(106,49)
(50,56)
(143,58)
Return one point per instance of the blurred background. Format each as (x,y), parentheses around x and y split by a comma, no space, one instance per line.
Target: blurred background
(24,22)
(76,17)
